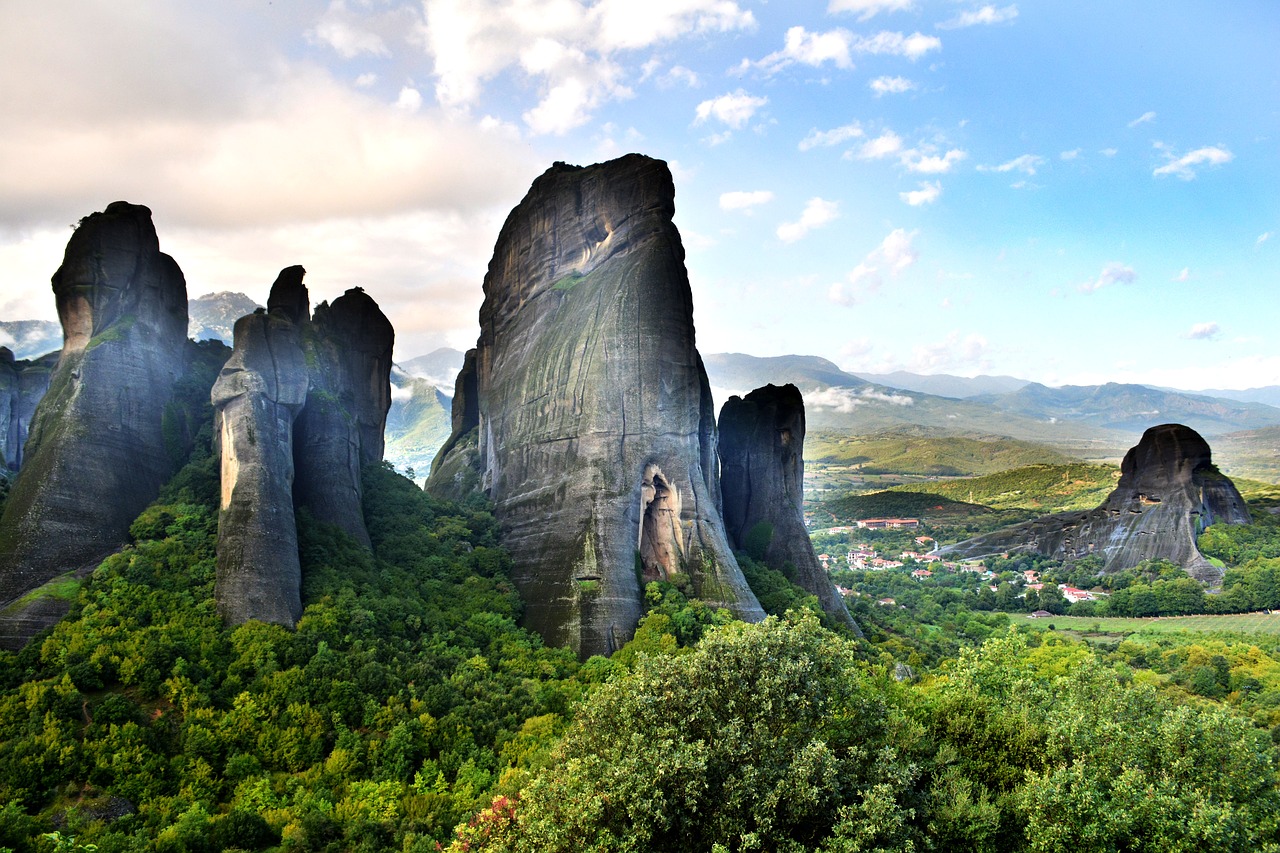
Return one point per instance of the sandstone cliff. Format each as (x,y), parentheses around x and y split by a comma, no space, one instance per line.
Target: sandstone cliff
(300,408)
(96,454)
(22,385)
(762,481)
(1169,491)
(593,431)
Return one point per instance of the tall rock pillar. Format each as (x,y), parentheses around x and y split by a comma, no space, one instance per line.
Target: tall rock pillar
(594,433)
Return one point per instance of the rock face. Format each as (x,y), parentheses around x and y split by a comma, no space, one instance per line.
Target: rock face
(22,385)
(300,407)
(96,454)
(593,431)
(1169,491)
(762,480)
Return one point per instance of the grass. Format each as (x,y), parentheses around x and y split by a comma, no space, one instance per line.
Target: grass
(1242,623)
(1044,488)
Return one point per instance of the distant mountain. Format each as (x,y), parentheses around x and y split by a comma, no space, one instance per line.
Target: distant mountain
(737,373)
(28,339)
(945,385)
(1131,408)
(439,367)
(214,315)
(1267,394)
(417,424)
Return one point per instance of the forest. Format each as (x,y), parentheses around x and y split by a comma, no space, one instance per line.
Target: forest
(409,711)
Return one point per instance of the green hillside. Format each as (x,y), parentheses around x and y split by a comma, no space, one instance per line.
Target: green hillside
(1043,488)
(926,452)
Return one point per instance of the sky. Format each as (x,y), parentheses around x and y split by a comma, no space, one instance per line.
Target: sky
(1066,191)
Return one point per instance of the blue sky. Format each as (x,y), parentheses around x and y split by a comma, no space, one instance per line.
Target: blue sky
(1070,192)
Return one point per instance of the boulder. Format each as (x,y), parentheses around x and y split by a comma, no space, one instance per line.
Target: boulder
(96,453)
(762,482)
(1169,491)
(593,431)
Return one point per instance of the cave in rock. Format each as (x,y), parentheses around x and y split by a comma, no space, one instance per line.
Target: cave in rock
(661,545)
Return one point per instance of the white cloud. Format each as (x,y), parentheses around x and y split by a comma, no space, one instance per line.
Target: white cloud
(1262,238)
(366,80)
(346,33)
(885,145)
(1026,164)
(1183,166)
(817,213)
(867,9)
(744,200)
(927,194)
(1148,116)
(986,15)
(1183,275)
(845,400)
(952,353)
(678,75)
(410,99)
(734,109)
(1070,155)
(928,163)
(893,256)
(1113,272)
(472,41)
(812,49)
(1109,152)
(1203,332)
(891,85)
(826,138)
(911,47)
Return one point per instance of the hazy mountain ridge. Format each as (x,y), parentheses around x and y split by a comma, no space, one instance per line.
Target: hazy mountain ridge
(214,315)
(946,385)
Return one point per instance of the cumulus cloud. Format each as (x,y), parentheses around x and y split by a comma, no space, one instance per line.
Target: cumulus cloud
(885,145)
(1184,166)
(927,163)
(891,85)
(1183,275)
(985,15)
(1026,164)
(1203,332)
(744,200)
(910,47)
(1113,272)
(894,255)
(812,49)
(845,400)
(472,41)
(734,109)
(817,213)
(927,194)
(346,33)
(1148,116)
(826,138)
(678,75)
(867,9)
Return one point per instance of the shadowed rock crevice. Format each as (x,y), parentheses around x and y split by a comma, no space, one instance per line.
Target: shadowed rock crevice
(585,373)
(762,482)
(1169,491)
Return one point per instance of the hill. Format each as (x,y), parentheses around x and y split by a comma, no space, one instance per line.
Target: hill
(946,385)
(418,423)
(214,315)
(917,450)
(1043,488)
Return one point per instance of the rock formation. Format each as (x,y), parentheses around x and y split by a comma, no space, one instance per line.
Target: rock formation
(22,385)
(1169,491)
(762,481)
(299,409)
(96,454)
(593,431)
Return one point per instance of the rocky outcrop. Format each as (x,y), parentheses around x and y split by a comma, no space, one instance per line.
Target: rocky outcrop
(762,482)
(593,431)
(96,453)
(340,430)
(1169,491)
(22,385)
(300,408)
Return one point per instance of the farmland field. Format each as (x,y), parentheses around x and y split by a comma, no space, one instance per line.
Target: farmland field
(1243,623)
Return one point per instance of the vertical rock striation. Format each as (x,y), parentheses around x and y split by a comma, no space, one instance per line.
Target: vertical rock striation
(300,408)
(762,481)
(96,454)
(593,430)
(1169,491)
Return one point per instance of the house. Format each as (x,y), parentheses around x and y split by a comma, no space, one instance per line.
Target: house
(887,602)
(888,523)
(925,540)
(922,573)
(1070,593)
(1031,576)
